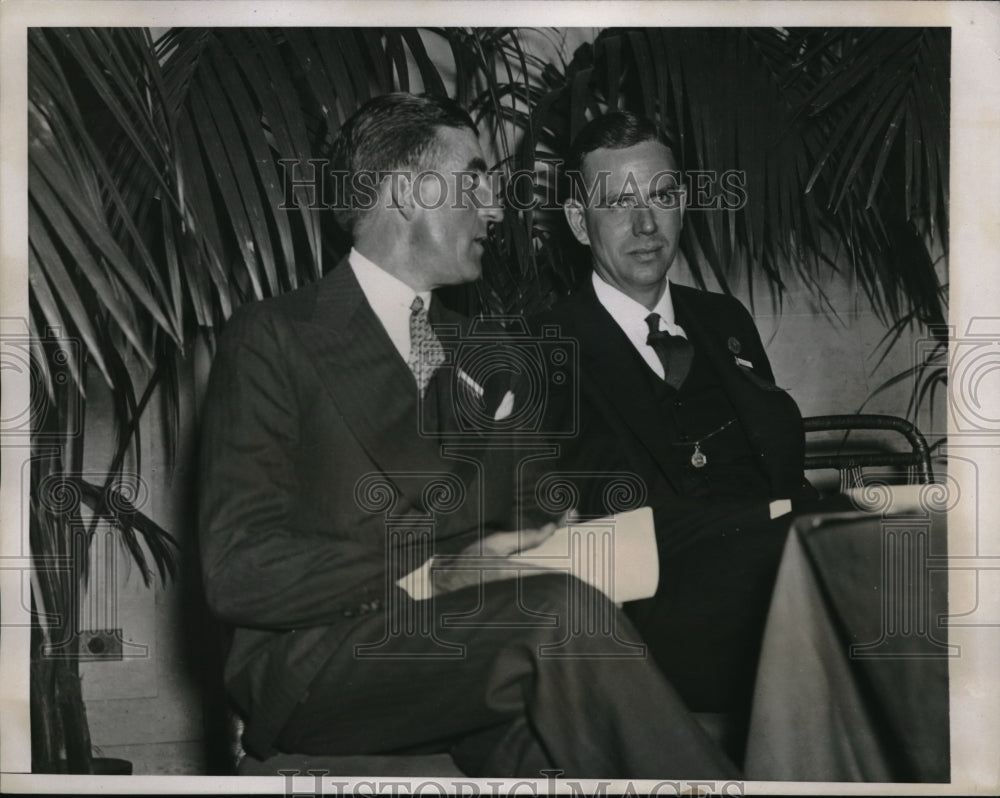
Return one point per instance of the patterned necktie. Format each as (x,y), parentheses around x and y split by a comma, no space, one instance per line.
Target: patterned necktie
(675,352)
(426,352)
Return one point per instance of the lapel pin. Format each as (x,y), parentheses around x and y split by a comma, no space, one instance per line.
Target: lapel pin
(734,345)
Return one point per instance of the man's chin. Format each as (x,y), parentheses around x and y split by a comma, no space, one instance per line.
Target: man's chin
(468,273)
(474,270)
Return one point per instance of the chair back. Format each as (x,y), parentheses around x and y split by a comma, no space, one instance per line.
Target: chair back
(917,461)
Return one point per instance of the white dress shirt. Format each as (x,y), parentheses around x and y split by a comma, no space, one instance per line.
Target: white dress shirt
(390,298)
(631,317)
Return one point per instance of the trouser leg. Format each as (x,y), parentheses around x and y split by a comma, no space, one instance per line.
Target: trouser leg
(593,707)
(510,750)
(705,624)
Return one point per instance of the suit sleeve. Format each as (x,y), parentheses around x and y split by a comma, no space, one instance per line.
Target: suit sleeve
(262,568)
(762,367)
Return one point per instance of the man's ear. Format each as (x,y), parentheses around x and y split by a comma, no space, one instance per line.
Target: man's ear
(577,220)
(399,191)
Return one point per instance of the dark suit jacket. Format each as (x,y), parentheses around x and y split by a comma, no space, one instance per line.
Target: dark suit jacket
(309,444)
(620,425)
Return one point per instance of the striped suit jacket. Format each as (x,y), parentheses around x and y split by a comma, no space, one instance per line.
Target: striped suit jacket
(314,468)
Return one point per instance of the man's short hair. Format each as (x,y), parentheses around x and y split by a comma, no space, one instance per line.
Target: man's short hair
(389,133)
(614,130)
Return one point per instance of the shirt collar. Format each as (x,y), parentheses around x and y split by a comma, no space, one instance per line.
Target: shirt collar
(386,293)
(390,299)
(629,313)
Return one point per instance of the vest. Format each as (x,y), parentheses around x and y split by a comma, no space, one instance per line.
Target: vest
(699,417)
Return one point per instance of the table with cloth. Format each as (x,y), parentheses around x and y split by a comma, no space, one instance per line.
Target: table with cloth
(852,683)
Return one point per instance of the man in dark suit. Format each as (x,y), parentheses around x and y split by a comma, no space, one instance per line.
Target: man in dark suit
(336,461)
(676,388)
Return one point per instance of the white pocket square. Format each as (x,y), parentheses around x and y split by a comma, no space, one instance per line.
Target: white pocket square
(506,407)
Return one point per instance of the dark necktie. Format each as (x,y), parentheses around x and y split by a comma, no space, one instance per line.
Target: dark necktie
(426,352)
(675,352)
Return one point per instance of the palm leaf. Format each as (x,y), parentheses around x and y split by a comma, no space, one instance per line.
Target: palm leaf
(113,506)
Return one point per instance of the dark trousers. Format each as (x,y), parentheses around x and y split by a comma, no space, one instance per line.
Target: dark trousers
(519,675)
(705,624)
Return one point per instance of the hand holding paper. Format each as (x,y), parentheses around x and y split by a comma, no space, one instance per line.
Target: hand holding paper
(484,561)
(616,554)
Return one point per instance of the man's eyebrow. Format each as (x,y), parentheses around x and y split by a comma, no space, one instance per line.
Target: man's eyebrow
(477,164)
(617,193)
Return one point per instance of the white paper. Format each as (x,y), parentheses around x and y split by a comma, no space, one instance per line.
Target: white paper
(615,554)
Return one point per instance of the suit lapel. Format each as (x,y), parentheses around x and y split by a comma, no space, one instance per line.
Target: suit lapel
(690,317)
(367,379)
(449,328)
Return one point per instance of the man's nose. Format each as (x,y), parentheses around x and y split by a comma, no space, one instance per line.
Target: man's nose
(491,207)
(643,220)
